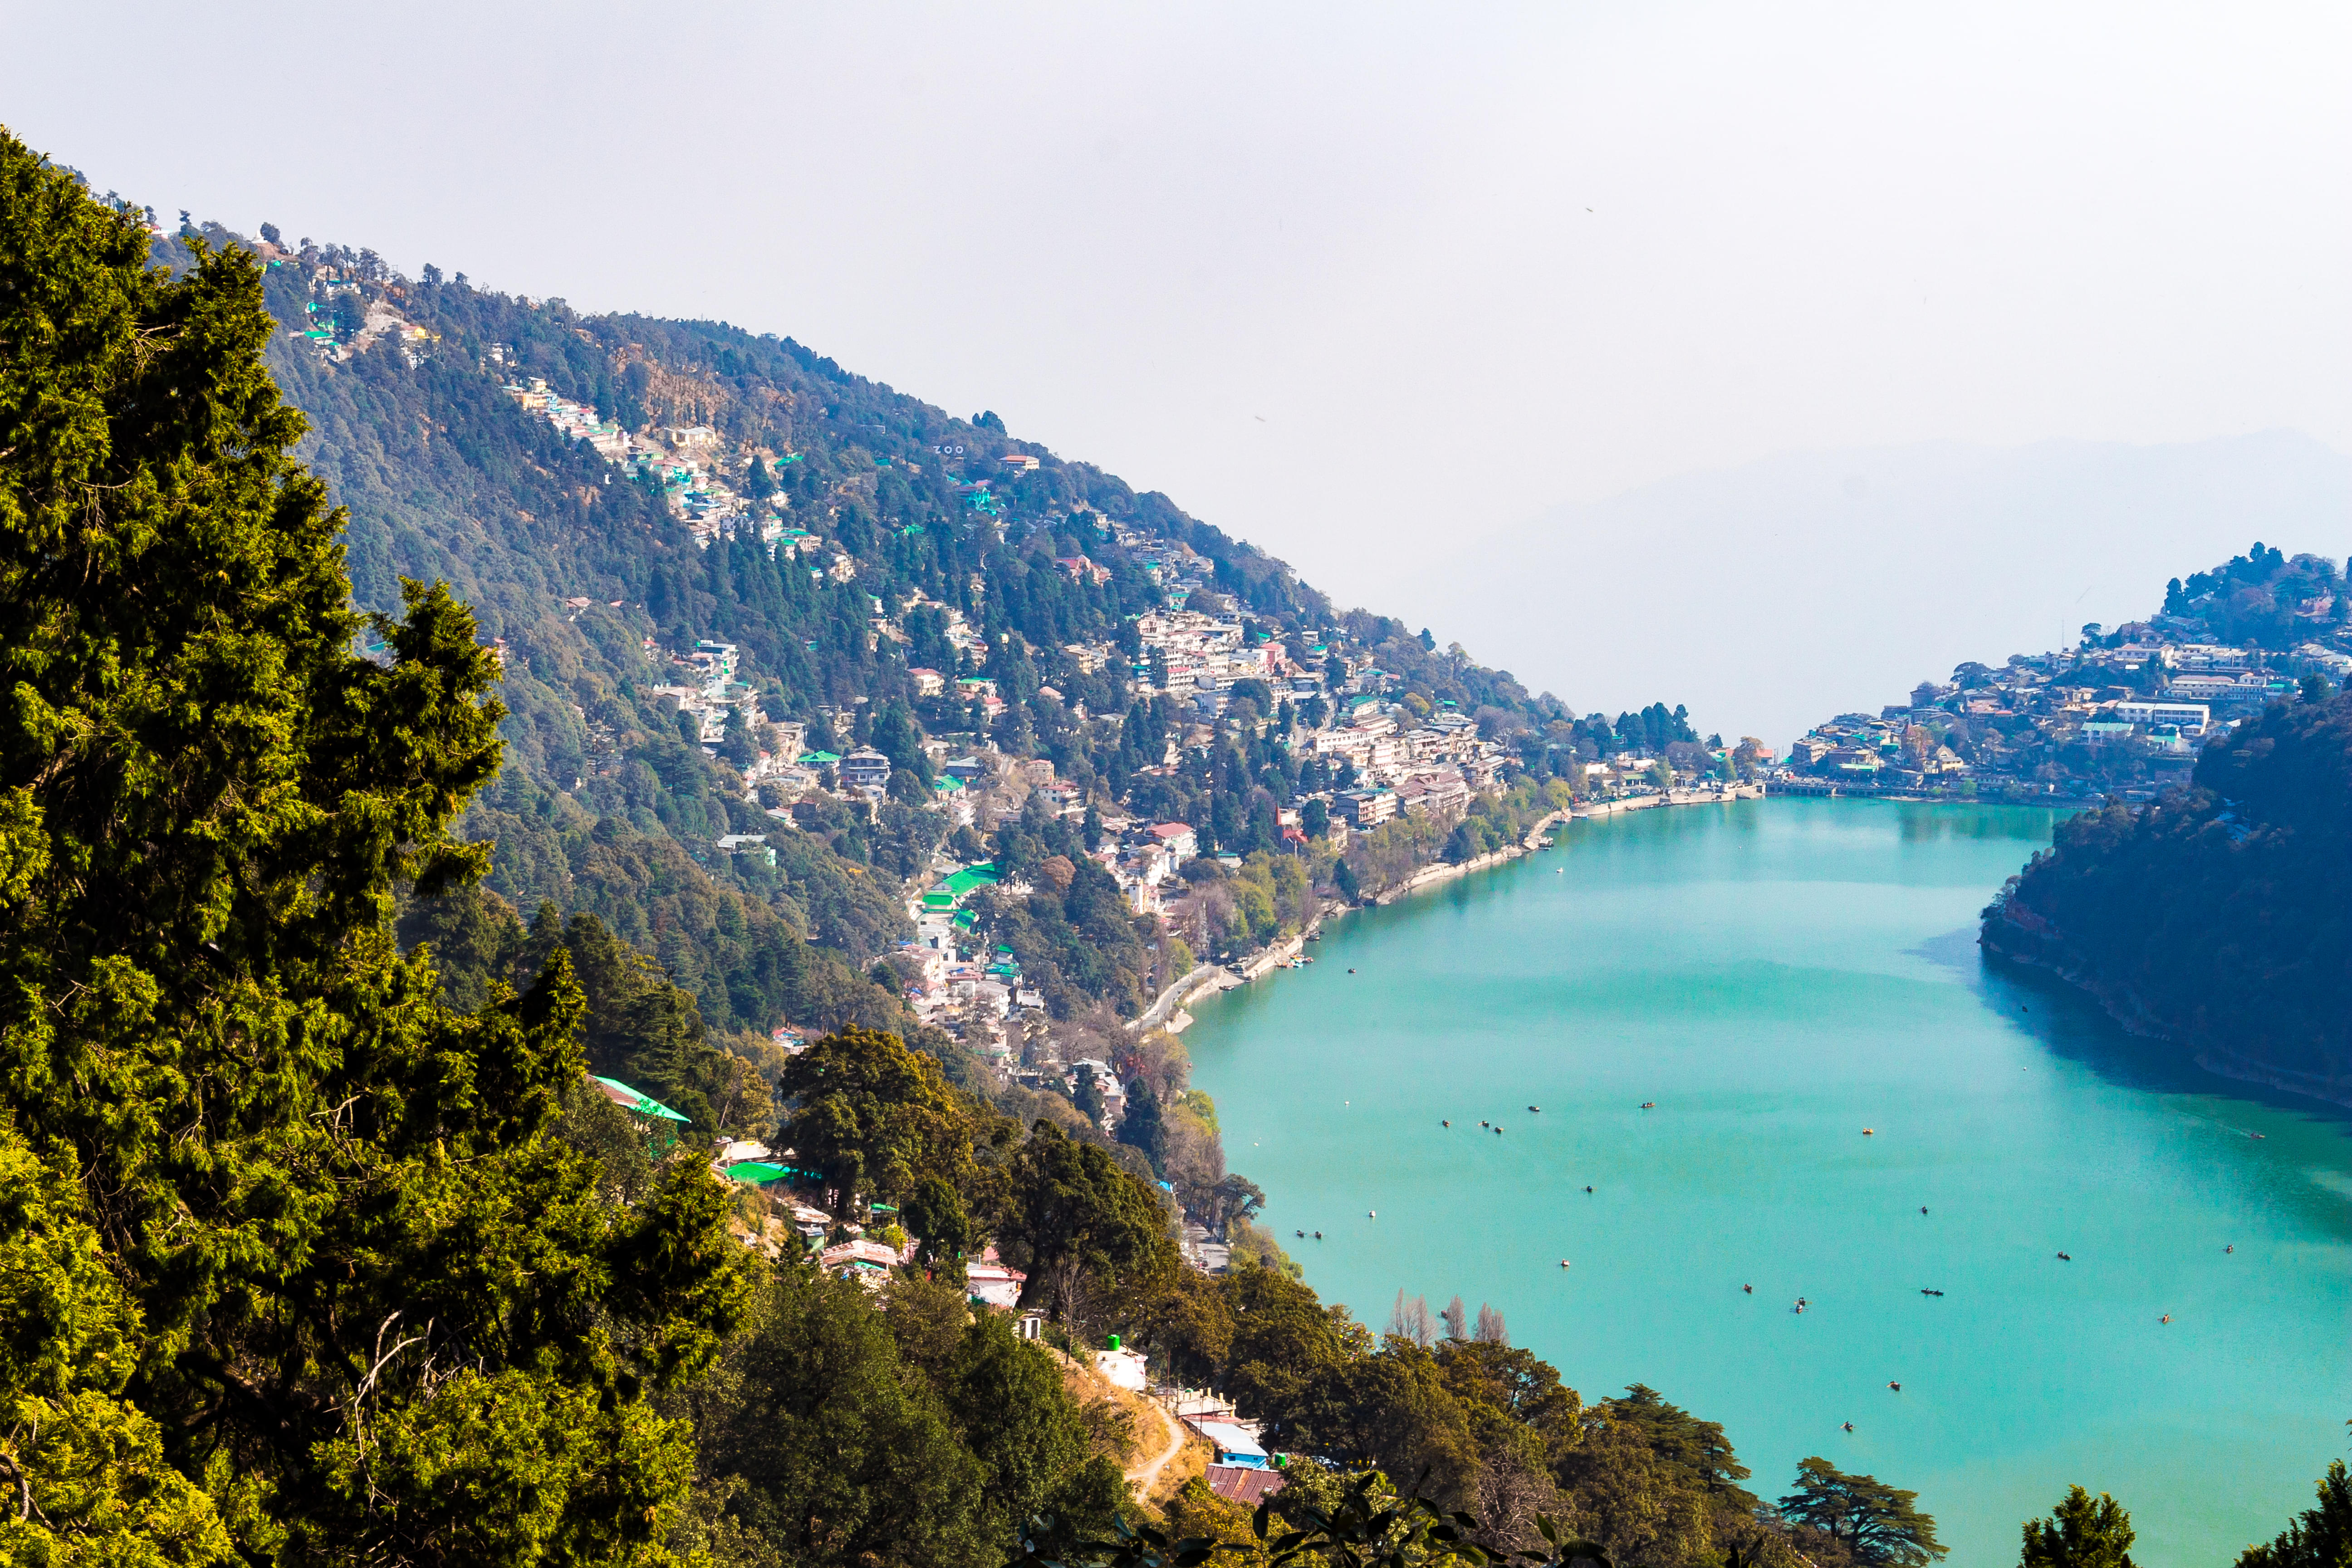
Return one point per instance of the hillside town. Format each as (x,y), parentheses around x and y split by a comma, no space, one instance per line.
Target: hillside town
(2125,713)
(1042,758)
(1365,749)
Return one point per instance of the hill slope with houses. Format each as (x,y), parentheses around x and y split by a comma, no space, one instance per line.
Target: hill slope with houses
(2124,714)
(839,709)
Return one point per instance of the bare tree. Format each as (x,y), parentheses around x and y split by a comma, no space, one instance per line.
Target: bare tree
(1409,1320)
(1490,1327)
(1457,1319)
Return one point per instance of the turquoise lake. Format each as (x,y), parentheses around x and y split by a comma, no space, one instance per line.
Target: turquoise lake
(1778,976)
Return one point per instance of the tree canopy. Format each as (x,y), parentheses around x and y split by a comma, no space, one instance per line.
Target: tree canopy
(2082,1531)
(2216,916)
(2319,1537)
(1879,1524)
(366,1291)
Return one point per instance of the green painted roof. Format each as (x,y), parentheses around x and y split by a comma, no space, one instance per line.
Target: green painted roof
(760,1172)
(822,759)
(645,1104)
(970,880)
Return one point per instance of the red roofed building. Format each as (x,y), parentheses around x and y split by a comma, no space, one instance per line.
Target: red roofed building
(1240,1484)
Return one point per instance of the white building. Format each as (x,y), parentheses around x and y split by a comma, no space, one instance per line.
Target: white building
(2188,715)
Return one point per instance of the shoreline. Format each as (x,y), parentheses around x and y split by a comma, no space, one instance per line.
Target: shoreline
(2134,1017)
(1430,876)
(1168,1009)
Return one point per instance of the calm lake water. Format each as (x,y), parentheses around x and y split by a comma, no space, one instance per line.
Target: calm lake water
(1778,976)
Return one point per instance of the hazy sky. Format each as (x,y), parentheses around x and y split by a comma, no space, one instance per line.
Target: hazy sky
(1342,279)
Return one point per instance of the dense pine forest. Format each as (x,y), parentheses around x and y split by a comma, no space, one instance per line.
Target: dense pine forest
(2216,916)
(337,850)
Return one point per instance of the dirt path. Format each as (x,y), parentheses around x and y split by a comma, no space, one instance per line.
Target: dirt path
(1147,1476)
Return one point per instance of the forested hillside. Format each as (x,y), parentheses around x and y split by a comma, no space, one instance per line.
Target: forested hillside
(602,806)
(2217,917)
(617,496)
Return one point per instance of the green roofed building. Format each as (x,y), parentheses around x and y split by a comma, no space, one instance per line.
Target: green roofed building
(763,1173)
(969,881)
(819,759)
(635,1104)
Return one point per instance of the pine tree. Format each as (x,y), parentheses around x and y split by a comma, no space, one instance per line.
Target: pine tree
(2082,1531)
(2319,1538)
(1881,1525)
(369,1300)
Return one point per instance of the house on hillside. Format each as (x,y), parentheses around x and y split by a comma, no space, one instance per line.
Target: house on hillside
(748,844)
(865,768)
(1179,839)
(867,1262)
(1236,1446)
(991,1284)
(1245,1483)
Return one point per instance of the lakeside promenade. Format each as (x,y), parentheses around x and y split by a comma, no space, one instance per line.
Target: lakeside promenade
(1168,1009)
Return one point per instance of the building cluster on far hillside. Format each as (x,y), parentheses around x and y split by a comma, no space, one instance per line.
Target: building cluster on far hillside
(2125,712)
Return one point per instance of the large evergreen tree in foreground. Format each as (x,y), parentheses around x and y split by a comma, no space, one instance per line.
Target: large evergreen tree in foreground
(298,1261)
